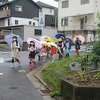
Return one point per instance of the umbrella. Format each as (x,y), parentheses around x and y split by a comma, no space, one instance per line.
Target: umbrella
(49,40)
(81,38)
(59,35)
(9,39)
(37,43)
(52,44)
(42,38)
(43,42)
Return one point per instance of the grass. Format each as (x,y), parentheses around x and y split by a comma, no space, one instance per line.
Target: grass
(53,73)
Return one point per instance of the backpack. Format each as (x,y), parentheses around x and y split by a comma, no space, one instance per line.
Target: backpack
(17,45)
(69,45)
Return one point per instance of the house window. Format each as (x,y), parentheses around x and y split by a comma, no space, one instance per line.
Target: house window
(30,23)
(50,11)
(33,24)
(85,19)
(65,4)
(64,22)
(84,2)
(8,22)
(16,22)
(18,8)
(38,32)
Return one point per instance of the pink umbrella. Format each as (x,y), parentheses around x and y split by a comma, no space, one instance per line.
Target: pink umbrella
(37,43)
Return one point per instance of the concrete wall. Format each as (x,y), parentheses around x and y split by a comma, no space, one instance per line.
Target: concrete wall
(46,31)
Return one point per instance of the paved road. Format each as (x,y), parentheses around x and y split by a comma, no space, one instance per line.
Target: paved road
(14,85)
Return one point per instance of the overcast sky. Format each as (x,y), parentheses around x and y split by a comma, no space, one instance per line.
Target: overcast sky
(50,2)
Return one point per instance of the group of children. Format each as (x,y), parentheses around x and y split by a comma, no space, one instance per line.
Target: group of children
(63,45)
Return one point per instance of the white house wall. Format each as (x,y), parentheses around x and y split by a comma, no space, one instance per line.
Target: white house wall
(45,11)
(75,8)
(22,21)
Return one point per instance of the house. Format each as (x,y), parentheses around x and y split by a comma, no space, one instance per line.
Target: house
(78,17)
(46,14)
(19,12)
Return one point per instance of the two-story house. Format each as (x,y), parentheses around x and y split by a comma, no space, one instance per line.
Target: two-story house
(19,12)
(46,14)
(78,17)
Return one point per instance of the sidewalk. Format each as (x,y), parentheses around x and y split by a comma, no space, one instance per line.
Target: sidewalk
(35,79)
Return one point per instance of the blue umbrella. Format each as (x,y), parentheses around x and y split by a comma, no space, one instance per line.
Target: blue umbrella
(60,35)
(9,39)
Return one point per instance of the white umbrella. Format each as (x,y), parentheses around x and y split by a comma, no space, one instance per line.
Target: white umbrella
(81,38)
(42,38)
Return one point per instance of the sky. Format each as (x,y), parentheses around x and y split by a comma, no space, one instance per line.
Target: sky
(50,2)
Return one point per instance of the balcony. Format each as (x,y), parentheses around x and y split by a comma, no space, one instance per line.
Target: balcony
(5,13)
(77,27)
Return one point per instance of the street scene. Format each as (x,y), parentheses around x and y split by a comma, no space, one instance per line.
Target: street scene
(49,50)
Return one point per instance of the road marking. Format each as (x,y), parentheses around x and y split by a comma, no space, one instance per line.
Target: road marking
(21,71)
(1,60)
(1,74)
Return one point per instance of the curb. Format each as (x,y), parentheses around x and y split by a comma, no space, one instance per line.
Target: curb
(36,75)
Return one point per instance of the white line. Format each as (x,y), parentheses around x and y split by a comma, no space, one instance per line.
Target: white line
(1,60)
(1,74)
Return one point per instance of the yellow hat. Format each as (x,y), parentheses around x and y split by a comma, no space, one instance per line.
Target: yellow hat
(59,39)
(77,37)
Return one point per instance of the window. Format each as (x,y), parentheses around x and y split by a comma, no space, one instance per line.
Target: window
(50,11)
(16,22)
(8,22)
(18,8)
(85,19)
(64,22)
(38,32)
(65,4)
(84,2)
(33,24)
(30,23)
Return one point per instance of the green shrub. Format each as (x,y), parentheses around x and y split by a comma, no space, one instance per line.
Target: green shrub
(55,94)
(96,48)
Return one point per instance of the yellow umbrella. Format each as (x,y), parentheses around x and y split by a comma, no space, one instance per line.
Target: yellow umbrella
(49,40)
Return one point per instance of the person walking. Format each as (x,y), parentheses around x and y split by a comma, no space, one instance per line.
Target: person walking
(15,51)
(67,47)
(53,52)
(32,54)
(43,53)
(77,45)
(60,45)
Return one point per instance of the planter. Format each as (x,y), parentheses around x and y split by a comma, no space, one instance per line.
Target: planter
(71,91)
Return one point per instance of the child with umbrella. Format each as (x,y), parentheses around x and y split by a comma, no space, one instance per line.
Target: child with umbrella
(77,45)
(15,50)
(67,47)
(32,54)
(43,53)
